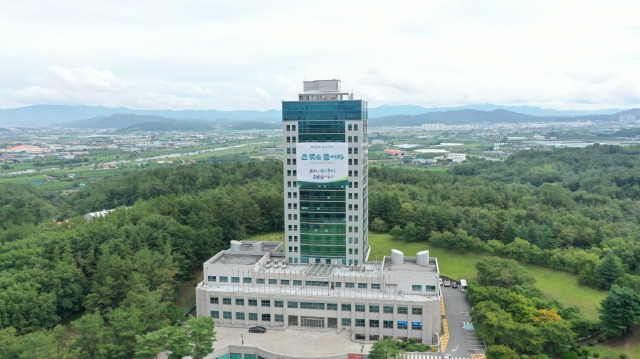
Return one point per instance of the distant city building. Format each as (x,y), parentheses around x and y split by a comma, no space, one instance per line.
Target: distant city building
(433,127)
(394,152)
(456,157)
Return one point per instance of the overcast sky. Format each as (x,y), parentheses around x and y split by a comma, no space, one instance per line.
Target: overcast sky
(232,55)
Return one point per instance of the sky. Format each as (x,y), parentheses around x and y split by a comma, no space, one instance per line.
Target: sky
(251,55)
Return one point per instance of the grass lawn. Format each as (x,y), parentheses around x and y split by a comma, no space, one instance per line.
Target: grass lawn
(556,284)
(612,348)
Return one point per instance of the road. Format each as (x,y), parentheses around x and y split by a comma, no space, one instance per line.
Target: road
(463,341)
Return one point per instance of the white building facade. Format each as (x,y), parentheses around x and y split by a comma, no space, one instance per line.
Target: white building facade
(252,283)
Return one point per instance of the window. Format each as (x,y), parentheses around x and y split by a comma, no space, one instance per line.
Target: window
(291,304)
(246,280)
(346,307)
(239,301)
(416,287)
(293,127)
(215,314)
(416,311)
(360,307)
(346,322)
(288,127)
(226,301)
(261,280)
(349,285)
(375,286)
(297,282)
(266,317)
(273,281)
(416,325)
(430,288)
(374,323)
(278,303)
(266,303)
(240,315)
(226,315)
(402,325)
(355,127)
(279,318)
(338,284)
(361,285)
(349,127)
(387,309)
(224,279)
(253,316)
(374,309)
(213,300)
(311,305)
(387,324)
(402,310)
(211,278)
(360,322)
(235,279)
(355,138)
(332,306)
(253,302)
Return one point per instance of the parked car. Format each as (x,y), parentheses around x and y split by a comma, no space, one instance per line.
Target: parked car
(446,356)
(257,330)
(454,284)
(440,280)
(447,283)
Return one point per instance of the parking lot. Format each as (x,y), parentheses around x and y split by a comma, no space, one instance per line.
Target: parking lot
(463,341)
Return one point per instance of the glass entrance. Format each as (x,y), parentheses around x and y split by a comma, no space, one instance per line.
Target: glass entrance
(313,322)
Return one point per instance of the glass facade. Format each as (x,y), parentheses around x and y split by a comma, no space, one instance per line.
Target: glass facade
(322,213)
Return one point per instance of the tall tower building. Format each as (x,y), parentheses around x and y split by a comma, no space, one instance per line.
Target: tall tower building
(325,175)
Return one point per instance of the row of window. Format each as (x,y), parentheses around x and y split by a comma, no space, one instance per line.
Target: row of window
(349,127)
(373,308)
(274,281)
(352,139)
(374,323)
(346,322)
(278,318)
(418,288)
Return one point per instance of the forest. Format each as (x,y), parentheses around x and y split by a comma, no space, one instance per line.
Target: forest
(64,279)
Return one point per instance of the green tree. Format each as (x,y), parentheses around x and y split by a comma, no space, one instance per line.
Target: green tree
(608,271)
(201,336)
(378,225)
(506,273)
(385,349)
(90,342)
(619,311)
(501,352)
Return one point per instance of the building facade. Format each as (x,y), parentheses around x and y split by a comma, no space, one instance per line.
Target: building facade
(253,284)
(325,176)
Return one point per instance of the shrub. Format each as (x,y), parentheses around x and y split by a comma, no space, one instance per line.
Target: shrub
(591,343)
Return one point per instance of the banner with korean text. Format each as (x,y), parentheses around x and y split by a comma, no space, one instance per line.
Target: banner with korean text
(322,162)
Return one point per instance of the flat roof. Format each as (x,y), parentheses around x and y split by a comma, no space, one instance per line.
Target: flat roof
(238,259)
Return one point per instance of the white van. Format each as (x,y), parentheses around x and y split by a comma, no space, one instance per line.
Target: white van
(463,285)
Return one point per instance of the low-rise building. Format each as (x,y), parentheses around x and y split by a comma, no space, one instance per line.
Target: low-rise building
(252,284)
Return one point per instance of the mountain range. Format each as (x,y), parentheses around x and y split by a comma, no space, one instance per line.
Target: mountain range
(403,115)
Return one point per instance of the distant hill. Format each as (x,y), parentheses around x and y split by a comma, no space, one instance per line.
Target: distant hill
(460,117)
(408,115)
(62,115)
